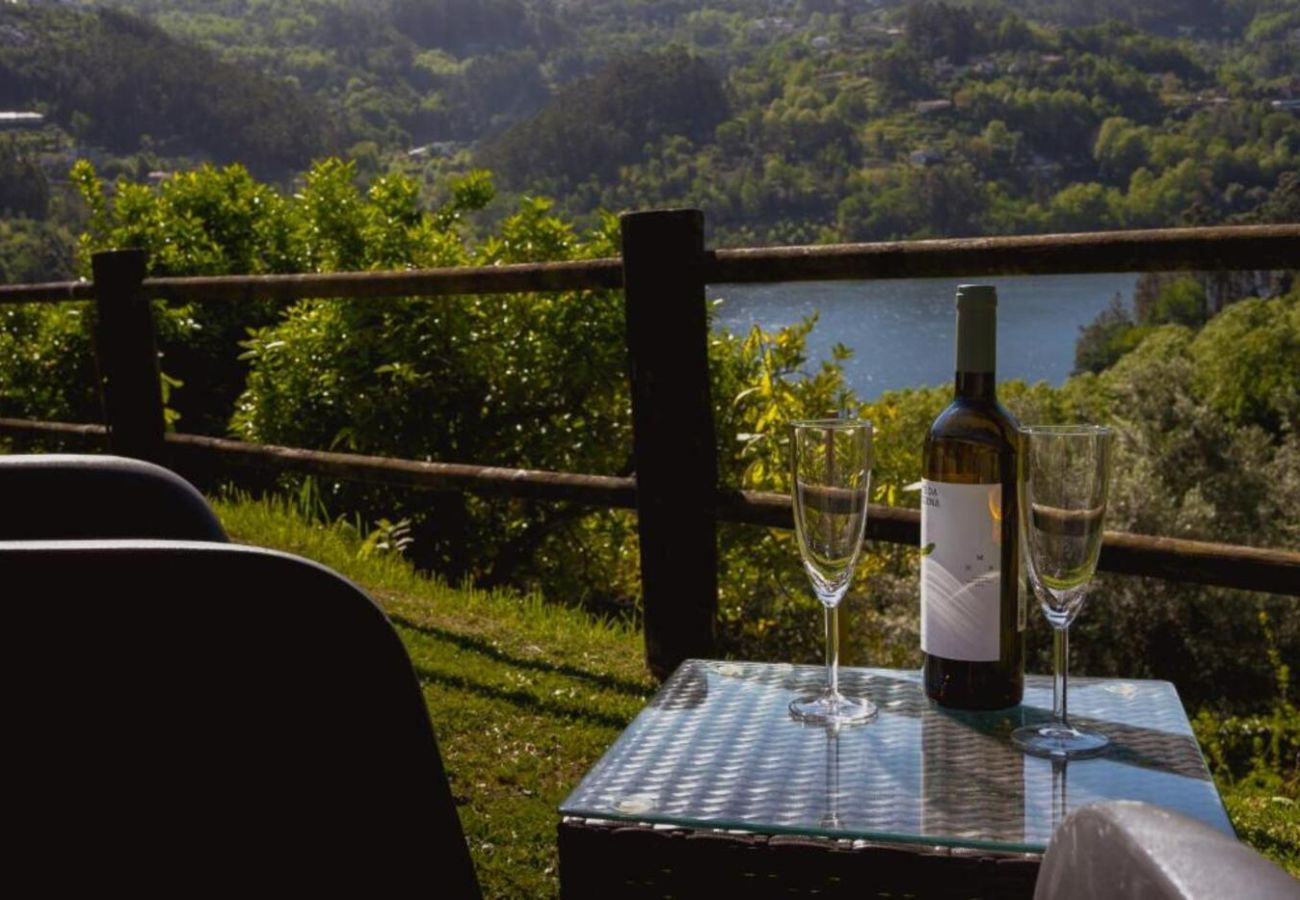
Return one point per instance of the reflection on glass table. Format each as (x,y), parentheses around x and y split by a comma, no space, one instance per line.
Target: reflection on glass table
(717,749)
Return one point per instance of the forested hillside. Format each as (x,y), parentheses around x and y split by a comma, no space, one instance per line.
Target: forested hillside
(785,120)
(948,119)
(393,72)
(113,81)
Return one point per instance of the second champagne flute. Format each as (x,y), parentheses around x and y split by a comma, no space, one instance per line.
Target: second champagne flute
(831,475)
(1064,477)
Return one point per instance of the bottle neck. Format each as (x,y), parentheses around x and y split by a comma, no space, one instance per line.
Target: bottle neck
(976,351)
(976,386)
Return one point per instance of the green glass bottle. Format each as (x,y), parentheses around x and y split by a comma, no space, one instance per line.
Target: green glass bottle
(972,619)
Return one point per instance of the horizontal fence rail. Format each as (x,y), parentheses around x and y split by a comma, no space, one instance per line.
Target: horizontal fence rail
(588,274)
(53,292)
(1172,559)
(663,272)
(1238,247)
(1249,247)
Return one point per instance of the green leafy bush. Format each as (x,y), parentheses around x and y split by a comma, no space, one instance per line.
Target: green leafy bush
(1180,302)
(1106,338)
(1186,469)
(1256,763)
(47,366)
(222,221)
(534,381)
(1248,363)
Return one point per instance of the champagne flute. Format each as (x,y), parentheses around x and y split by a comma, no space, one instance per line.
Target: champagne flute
(1064,475)
(831,473)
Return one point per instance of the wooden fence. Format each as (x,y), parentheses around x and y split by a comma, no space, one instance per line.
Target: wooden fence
(663,273)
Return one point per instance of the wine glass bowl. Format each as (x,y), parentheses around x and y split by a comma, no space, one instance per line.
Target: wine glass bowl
(831,478)
(829,523)
(1061,549)
(1064,476)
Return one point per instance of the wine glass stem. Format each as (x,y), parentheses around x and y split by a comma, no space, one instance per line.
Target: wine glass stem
(1061,661)
(833,650)
(1060,799)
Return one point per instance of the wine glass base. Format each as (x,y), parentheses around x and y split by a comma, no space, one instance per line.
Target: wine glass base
(833,709)
(1058,741)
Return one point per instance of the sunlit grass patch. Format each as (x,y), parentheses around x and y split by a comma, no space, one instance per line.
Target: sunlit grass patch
(524,695)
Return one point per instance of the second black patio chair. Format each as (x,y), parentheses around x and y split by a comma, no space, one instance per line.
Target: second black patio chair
(185,715)
(65,496)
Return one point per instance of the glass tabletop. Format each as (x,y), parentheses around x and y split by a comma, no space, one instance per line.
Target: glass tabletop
(716,748)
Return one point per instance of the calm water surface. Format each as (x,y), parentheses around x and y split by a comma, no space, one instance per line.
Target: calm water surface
(902,332)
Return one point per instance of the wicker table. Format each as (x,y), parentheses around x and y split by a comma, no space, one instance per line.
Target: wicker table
(714,784)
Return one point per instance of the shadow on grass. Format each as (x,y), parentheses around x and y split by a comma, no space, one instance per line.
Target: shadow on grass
(520,698)
(486,648)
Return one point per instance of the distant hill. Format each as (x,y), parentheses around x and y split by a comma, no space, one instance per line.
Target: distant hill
(787,121)
(110,77)
(1162,16)
(392,72)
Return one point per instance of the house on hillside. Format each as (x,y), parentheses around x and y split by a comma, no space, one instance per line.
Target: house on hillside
(929,107)
(443,149)
(17,121)
(925,157)
(774,24)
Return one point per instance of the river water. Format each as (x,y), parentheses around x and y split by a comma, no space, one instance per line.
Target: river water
(902,332)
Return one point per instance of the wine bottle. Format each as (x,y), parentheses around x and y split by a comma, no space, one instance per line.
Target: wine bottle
(972,617)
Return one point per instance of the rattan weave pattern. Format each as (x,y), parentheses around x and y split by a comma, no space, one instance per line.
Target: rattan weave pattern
(717,749)
(632,862)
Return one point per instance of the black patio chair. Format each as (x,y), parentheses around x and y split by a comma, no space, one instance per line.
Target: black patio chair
(1125,850)
(183,715)
(58,496)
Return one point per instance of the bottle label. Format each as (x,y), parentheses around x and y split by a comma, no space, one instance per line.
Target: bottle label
(961,570)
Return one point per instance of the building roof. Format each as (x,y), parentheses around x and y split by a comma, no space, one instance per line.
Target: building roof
(15,118)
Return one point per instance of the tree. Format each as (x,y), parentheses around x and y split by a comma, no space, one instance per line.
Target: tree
(1181,301)
(900,76)
(1247,363)
(1283,203)
(1121,149)
(534,381)
(940,29)
(918,201)
(596,125)
(1082,207)
(24,190)
(1105,339)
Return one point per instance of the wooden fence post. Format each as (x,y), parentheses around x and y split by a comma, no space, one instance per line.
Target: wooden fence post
(674,451)
(127,356)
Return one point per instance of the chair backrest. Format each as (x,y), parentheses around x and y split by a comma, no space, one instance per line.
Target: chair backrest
(237,714)
(58,496)
(1126,850)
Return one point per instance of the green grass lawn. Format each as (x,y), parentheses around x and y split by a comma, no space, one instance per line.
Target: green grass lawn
(526,696)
